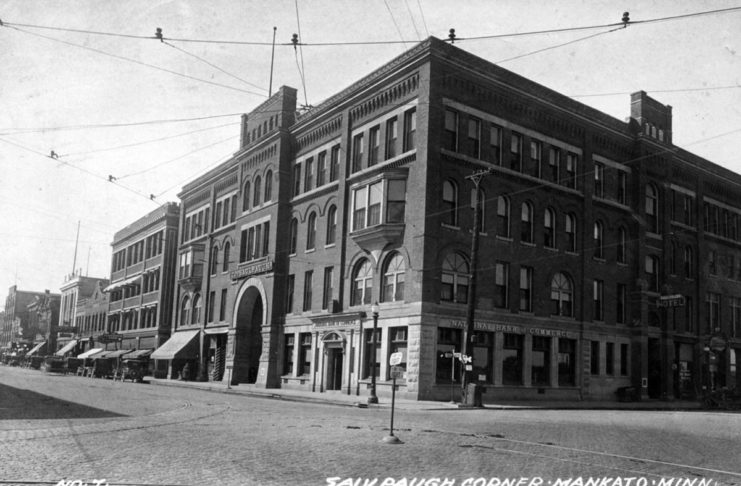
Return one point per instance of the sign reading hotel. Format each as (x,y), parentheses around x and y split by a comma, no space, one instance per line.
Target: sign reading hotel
(264,266)
(512,329)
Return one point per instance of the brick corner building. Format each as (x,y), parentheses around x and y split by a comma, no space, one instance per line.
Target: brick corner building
(608,257)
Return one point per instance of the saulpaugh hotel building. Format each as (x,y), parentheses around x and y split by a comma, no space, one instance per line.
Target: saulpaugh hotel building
(608,257)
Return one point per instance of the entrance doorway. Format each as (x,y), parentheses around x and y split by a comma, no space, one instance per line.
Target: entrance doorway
(334,367)
(248,337)
(654,368)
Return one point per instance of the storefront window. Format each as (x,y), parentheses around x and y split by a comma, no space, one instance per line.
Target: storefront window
(304,360)
(541,361)
(448,342)
(372,355)
(566,362)
(398,344)
(482,353)
(512,360)
(288,355)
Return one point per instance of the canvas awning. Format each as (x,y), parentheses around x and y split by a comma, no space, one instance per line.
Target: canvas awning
(89,353)
(121,283)
(66,348)
(181,345)
(116,354)
(140,353)
(36,348)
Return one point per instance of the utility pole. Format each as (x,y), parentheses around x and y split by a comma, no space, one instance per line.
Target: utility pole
(467,375)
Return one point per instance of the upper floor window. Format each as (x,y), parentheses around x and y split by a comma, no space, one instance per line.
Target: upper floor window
(621,245)
(246,197)
(334,163)
(515,161)
(526,223)
(185,311)
(225,263)
(309,174)
(454,282)
(652,273)
(554,161)
(392,128)
(562,295)
(410,129)
(311,232)
(450,203)
(293,236)
(571,162)
(622,187)
(269,186)
(599,180)
(549,224)
(331,225)
(535,157)
(362,290)
(374,145)
(214,260)
(393,279)
(501,284)
(495,144)
(357,152)
(652,208)
(598,240)
(321,169)
(474,137)
(526,289)
(296,179)
(688,262)
(450,138)
(503,216)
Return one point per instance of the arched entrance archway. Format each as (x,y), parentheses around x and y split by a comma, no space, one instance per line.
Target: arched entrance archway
(248,336)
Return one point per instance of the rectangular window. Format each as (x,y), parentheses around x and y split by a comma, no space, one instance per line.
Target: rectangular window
(713,311)
(448,342)
(375,197)
(321,169)
(357,152)
(217,216)
(222,306)
(512,359)
(566,362)
(334,164)
(474,137)
(621,302)
(309,174)
(609,358)
(535,157)
(308,277)
(599,180)
(328,289)
(623,359)
(266,238)
(398,344)
(501,278)
(360,202)
(571,163)
(288,354)
(594,358)
(410,129)
(495,144)
(541,361)
(554,161)
(687,210)
(304,359)
(392,135)
(622,187)
(296,179)
(515,158)
(372,363)
(526,289)
(374,145)
(290,285)
(396,201)
(599,298)
(450,139)
(211,305)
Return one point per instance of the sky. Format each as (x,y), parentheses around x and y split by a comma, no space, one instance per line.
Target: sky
(131,120)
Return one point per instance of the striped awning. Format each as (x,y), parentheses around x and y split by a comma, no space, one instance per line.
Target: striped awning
(35,349)
(121,283)
(181,345)
(67,348)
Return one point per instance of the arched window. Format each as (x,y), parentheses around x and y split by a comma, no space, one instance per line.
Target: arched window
(225,264)
(185,311)
(393,279)
(652,208)
(622,241)
(526,223)
(503,216)
(256,199)
(294,236)
(196,308)
(570,232)
(562,295)
(454,278)
(689,262)
(269,186)
(362,289)
(246,197)
(450,203)
(311,232)
(598,240)
(549,224)
(214,259)
(331,225)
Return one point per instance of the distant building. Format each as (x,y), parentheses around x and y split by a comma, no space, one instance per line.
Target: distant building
(142,280)
(65,338)
(43,314)
(608,257)
(18,326)
(90,319)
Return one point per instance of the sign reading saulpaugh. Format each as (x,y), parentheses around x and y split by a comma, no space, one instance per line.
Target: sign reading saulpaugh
(252,269)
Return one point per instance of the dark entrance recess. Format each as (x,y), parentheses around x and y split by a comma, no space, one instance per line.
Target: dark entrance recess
(334,367)
(248,337)
(654,368)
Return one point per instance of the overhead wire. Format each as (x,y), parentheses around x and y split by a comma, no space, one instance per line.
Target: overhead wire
(393,19)
(424,21)
(411,16)
(141,63)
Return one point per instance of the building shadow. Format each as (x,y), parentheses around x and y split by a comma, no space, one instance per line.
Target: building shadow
(20,404)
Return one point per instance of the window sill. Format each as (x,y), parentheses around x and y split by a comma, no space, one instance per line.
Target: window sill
(449,226)
(528,244)
(599,260)
(505,238)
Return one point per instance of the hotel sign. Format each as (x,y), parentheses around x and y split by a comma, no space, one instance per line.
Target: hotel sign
(513,329)
(264,266)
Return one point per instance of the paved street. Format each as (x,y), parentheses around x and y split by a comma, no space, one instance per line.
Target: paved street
(55,427)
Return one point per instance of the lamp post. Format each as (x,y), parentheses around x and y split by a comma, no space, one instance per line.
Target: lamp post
(373,398)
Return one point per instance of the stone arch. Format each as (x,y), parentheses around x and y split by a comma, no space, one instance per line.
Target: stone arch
(249,318)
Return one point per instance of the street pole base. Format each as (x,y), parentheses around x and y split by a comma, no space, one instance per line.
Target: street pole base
(392,439)
(372,399)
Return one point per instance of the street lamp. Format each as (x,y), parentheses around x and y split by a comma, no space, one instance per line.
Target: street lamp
(373,398)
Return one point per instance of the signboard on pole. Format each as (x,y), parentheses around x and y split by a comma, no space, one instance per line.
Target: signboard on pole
(395,359)
(397,372)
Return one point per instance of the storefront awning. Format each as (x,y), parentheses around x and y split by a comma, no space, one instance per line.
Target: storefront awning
(121,283)
(89,353)
(181,345)
(216,330)
(140,353)
(36,349)
(67,348)
(116,354)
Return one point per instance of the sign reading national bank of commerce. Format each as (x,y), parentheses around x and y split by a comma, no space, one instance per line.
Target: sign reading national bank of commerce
(251,269)
(513,329)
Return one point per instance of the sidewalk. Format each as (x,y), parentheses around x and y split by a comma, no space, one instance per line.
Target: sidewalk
(342,399)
